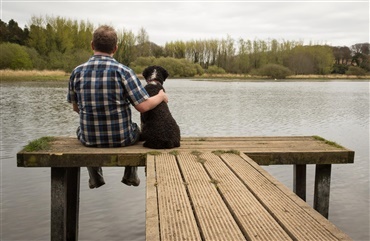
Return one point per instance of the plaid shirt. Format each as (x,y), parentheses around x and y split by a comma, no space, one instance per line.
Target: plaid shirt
(103,90)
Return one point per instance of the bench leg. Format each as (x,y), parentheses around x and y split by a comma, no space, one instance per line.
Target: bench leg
(322,189)
(65,191)
(299,181)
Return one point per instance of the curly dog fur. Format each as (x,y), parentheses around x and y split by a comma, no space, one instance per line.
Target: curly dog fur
(159,128)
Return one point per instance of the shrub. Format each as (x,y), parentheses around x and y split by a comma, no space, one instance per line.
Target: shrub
(14,56)
(274,71)
(37,60)
(354,70)
(339,69)
(213,69)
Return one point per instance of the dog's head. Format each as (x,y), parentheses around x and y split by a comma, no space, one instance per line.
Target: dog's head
(155,73)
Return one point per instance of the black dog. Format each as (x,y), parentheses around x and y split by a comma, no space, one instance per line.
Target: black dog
(159,128)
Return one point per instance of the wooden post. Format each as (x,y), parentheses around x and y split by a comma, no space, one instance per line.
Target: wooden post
(73,201)
(322,189)
(299,181)
(65,190)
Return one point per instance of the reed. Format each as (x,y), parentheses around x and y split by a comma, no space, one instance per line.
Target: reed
(32,75)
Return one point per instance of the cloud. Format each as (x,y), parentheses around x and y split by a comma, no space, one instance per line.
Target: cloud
(336,23)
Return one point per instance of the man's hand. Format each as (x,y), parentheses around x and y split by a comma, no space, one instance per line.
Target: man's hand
(152,102)
(75,107)
(164,95)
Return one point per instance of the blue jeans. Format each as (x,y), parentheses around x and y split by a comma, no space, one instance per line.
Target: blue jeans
(96,173)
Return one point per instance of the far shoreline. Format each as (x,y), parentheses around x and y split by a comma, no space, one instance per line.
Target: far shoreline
(58,75)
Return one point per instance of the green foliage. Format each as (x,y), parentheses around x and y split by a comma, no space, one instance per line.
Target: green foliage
(274,71)
(339,69)
(175,67)
(12,33)
(354,70)
(38,61)
(14,56)
(126,51)
(310,59)
(215,70)
(331,143)
(67,61)
(62,43)
(40,144)
(220,152)
(58,34)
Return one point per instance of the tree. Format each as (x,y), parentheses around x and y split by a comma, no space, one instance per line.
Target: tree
(243,57)
(38,37)
(360,54)
(178,49)
(126,51)
(12,33)
(310,59)
(143,44)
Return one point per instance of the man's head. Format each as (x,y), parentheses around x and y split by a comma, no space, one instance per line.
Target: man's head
(104,39)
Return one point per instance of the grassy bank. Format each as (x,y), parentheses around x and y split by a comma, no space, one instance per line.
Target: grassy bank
(33,75)
(318,78)
(58,75)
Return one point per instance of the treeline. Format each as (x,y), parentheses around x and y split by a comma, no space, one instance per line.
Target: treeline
(60,43)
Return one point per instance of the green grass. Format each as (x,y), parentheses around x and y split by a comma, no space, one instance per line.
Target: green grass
(331,143)
(175,153)
(154,153)
(196,153)
(220,152)
(40,144)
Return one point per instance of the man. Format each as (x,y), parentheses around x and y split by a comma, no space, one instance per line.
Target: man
(101,91)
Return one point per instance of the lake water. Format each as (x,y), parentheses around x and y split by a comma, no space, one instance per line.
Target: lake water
(338,111)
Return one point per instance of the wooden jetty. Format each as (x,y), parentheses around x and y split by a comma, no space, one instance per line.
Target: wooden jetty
(210,188)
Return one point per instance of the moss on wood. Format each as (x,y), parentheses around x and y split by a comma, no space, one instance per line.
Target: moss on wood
(196,153)
(154,153)
(175,153)
(330,143)
(40,144)
(220,152)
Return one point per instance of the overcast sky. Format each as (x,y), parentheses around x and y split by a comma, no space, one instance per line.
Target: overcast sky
(336,23)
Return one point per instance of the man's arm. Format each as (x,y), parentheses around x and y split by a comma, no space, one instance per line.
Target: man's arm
(152,102)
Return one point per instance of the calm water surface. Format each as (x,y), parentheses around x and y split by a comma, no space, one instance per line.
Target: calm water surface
(338,111)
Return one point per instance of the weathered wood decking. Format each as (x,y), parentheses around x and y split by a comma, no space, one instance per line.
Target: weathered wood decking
(195,193)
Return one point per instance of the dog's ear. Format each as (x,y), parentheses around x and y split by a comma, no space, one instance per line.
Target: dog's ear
(163,72)
(148,72)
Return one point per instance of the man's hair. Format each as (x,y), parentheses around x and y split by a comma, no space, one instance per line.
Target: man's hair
(104,39)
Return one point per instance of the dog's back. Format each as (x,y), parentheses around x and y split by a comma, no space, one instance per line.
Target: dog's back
(159,128)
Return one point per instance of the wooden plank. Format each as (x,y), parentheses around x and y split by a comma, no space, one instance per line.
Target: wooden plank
(215,220)
(176,219)
(151,207)
(253,219)
(291,216)
(69,152)
(320,220)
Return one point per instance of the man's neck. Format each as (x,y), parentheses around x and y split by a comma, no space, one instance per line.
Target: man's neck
(102,53)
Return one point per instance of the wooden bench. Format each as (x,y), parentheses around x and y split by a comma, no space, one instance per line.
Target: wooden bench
(208,189)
